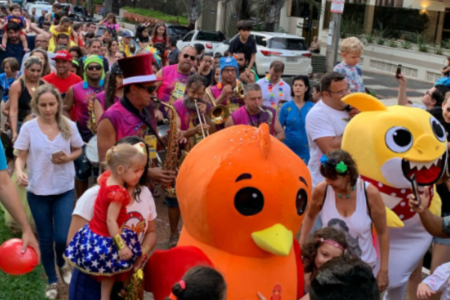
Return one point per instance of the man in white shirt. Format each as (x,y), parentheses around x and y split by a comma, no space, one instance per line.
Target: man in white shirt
(326,121)
(274,88)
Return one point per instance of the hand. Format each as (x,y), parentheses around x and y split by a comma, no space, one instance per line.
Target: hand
(353,112)
(60,159)
(202,66)
(162,176)
(424,291)
(14,137)
(401,79)
(424,199)
(247,72)
(227,90)
(125,253)
(198,128)
(22,179)
(28,239)
(140,262)
(382,280)
(180,137)
(158,115)
(201,107)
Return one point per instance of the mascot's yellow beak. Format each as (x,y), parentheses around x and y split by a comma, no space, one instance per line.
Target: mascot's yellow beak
(276,240)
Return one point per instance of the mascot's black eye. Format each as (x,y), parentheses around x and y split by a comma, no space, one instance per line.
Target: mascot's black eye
(301,201)
(438,130)
(249,201)
(399,139)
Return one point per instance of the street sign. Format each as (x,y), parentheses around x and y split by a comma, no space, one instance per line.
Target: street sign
(337,6)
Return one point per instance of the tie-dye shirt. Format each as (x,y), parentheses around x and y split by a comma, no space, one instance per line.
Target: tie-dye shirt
(353,76)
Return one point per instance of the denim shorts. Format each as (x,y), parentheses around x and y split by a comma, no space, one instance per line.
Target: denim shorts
(84,168)
(171,202)
(439,240)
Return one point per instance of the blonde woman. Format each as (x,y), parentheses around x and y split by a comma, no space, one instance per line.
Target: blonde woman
(42,54)
(21,92)
(48,145)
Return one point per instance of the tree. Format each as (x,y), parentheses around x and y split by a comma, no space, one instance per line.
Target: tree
(91,7)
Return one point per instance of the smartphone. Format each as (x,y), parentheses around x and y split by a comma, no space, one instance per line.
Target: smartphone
(399,71)
(57,153)
(415,188)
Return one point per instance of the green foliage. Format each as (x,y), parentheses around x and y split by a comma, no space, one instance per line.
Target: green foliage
(423,48)
(439,50)
(157,15)
(392,43)
(369,38)
(401,19)
(99,2)
(406,45)
(350,27)
(446,44)
(382,31)
(25,287)
(381,41)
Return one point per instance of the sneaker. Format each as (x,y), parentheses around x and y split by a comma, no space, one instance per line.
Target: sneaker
(51,291)
(66,273)
(173,241)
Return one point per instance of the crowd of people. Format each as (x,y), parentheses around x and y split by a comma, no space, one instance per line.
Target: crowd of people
(80,106)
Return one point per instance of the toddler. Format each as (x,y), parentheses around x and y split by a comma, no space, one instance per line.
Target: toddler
(351,51)
(104,247)
(436,282)
(16,17)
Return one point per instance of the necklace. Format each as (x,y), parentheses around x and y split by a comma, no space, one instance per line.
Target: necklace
(346,196)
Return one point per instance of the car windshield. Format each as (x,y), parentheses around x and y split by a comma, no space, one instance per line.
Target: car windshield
(178,30)
(210,36)
(288,44)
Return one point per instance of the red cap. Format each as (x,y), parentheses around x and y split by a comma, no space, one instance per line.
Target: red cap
(63,55)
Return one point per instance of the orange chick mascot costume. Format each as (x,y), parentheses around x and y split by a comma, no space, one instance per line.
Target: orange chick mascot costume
(242,195)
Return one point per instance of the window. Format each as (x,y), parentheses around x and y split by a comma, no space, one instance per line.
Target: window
(261,40)
(288,44)
(188,37)
(210,36)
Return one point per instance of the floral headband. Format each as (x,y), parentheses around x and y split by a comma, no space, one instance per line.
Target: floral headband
(331,242)
(340,167)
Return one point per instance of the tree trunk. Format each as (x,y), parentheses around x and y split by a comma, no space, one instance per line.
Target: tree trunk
(194,13)
(91,7)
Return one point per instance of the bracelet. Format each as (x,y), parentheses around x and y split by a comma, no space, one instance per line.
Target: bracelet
(120,244)
(145,250)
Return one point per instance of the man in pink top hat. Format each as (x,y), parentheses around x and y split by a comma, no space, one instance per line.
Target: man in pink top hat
(134,114)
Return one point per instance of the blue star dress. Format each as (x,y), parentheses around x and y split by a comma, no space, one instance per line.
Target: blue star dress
(92,249)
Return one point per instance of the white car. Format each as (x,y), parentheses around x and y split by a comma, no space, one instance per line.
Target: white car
(209,39)
(39,8)
(290,49)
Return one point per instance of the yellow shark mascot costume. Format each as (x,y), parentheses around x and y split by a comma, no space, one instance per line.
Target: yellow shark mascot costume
(390,144)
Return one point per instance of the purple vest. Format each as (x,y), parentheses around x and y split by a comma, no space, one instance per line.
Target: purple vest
(101,97)
(232,100)
(125,122)
(83,102)
(242,117)
(170,79)
(186,116)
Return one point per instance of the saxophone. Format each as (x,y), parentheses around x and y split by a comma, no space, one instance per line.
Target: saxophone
(171,161)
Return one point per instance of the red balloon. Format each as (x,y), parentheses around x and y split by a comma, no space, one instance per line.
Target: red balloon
(13,262)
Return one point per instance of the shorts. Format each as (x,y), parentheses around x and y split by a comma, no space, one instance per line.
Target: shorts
(84,168)
(442,241)
(171,202)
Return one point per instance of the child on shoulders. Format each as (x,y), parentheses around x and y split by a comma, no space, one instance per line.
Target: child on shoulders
(351,51)
(16,17)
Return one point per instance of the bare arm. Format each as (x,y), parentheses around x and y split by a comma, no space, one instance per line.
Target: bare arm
(68,102)
(279,131)
(111,218)
(329,143)
(14,94)
(445,70)
(402,97)
(98,110)
(77,223)
(252,62)
(378,215)
(106,138)
(313,211)
(38,30)
(149,241)
(229,122)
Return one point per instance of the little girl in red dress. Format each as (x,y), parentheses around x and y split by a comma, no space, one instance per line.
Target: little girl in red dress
(103,247)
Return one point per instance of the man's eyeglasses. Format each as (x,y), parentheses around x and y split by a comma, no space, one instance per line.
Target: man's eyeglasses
(96,67)
(189,56)
(149,89)
(340,93)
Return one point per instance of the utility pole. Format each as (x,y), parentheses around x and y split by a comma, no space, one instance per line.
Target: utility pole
(334,33)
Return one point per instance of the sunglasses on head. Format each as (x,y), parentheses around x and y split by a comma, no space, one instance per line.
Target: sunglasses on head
(96,67)
(149,89)
(189,56)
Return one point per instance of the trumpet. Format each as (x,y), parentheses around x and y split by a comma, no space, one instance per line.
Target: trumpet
(238,91)
(200,116)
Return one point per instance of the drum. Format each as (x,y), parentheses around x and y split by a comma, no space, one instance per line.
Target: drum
(92,151)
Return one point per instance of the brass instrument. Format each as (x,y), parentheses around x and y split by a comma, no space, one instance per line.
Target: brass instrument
(238,91)
(267,110)
(171,161)
(200,116)
(219,114)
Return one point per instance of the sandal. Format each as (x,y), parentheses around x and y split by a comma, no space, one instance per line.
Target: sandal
(51,291)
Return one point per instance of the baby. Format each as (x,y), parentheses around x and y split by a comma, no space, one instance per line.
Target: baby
(16,17)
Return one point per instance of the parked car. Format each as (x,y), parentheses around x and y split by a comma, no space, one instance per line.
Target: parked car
(210,39)
(119,34)
(26,4)
(77,13)
(178,31)
(290,49)
(39,8)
